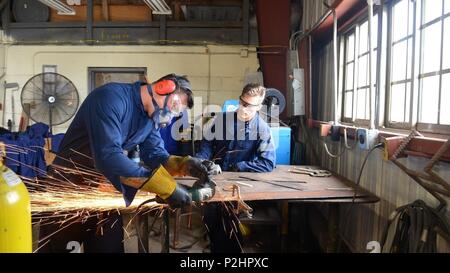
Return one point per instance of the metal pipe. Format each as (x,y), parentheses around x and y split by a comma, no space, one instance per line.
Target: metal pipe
(444,148)
(335,68)
(335,65)
(442,201)
(310,78)
(62,8)
(371,89)
(293,43)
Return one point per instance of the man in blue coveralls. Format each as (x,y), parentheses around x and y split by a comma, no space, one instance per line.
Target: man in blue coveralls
(238,141)
(114,118)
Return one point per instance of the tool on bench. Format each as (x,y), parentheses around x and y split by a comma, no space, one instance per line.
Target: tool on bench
(275,184)
(311,171)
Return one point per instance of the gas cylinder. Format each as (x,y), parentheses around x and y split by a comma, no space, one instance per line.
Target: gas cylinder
(15,211)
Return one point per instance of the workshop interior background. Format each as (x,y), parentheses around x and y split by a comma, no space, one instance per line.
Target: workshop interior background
(222,44)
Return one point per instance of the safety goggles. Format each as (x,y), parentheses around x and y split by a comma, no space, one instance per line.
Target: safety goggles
(176,107)
(248,106)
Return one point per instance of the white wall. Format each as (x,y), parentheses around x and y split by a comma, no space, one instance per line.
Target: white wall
(216,72)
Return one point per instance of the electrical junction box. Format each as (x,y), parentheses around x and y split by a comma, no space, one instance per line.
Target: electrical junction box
(295,93)
(367,138)
(298,92)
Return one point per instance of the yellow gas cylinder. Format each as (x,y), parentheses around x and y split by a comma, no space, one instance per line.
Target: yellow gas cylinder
(15,212)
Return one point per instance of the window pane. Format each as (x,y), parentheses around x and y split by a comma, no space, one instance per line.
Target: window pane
(400,24)
(409,58)
(350,47)
(367,104)
(363,38)
(364,35)
(375,30)
(374,69)
(407,102)
(431,48)
(348,102)
(432,10)
(349,77)
(445,99)
(447,6)
(361,104)
(399,61)
(411,17)
(363,70)
(397,110)
(446,57)
(429,99)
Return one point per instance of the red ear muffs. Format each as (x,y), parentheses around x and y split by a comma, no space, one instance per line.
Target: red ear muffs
(165,87)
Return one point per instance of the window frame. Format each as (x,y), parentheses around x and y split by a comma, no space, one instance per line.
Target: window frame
(415,75)
(422,126)
(384,46)
(354,28)
(390,45)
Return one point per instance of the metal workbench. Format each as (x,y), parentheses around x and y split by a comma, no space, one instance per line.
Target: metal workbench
(286,186)
(281,184)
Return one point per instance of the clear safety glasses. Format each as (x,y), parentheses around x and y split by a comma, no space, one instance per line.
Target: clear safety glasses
(248,106)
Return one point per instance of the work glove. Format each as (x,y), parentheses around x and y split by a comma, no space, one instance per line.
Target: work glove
(195,167)
(195,195)
(187,165)
(212,168)
(180,197)
(164,186)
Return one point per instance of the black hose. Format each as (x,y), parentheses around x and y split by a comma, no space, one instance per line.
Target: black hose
(358,181)
(413,228)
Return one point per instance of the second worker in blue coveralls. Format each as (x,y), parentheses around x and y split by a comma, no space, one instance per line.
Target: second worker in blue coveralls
(237,141)
(115,118)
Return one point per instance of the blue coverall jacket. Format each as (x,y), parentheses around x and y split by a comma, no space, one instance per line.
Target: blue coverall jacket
(238,146)
(110,120)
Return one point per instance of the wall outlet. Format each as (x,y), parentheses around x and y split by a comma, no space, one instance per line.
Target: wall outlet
(335,133)
(367,138)
(324,129)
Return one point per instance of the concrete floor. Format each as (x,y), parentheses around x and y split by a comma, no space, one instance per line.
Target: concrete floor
(262,238)
(187,236)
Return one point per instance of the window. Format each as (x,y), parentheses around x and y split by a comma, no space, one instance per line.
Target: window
(434,58)
(356,87)
(102,75)
(401,62)
(415,87)
(419,74)
(349,76)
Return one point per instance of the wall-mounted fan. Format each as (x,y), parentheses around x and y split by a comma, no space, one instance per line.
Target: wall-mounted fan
(49,98)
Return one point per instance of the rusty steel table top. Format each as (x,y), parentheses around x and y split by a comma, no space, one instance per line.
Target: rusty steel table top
(282,184)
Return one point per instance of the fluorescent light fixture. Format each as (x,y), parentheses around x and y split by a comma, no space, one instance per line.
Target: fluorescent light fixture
(158,7)
(63,9)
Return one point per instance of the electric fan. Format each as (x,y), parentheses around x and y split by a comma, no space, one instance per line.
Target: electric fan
(49,98)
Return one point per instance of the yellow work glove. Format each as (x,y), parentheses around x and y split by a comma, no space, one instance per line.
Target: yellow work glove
(185,165)
(164,185)
(195,167)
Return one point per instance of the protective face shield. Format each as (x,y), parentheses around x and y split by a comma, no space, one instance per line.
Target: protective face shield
(247,111)
(163,116)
